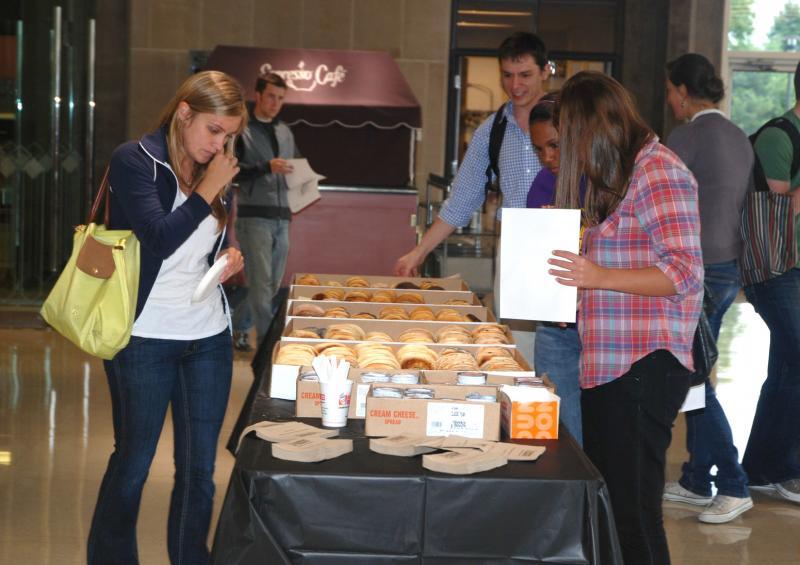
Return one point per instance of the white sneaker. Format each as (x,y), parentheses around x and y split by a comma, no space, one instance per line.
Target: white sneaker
(769,488)
(724,509)
(790,490)
(674,492)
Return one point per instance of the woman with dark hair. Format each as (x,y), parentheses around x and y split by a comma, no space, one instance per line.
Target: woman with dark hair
(721,158)
(557,345)
(640,275)
(168,187)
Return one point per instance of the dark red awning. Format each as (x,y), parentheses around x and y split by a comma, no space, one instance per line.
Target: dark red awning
(326,87)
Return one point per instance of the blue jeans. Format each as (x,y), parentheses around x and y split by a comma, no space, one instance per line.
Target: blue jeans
(557,352)
(146,377)
(773,449)
(265,246)
(708,435)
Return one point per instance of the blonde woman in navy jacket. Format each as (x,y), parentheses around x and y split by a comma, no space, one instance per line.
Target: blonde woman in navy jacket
(168,187)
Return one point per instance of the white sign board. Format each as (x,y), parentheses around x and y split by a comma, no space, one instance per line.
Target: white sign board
(529,237)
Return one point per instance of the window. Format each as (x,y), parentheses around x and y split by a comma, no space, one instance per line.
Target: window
(763,51)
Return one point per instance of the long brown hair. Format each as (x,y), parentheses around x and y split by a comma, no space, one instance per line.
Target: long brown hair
(207,92)
(600,132)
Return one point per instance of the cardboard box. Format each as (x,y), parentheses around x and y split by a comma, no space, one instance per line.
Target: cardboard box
(447,414)
(482,313)
(305,292)
(283,381)
(529,413)
(391,327)
(450,283)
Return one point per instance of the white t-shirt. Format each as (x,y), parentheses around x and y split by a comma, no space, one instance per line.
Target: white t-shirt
(169,312)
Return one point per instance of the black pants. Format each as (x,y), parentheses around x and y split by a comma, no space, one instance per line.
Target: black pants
(627,427)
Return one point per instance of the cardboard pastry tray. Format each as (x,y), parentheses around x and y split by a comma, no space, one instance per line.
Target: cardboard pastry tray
(391,327)
(481,312)
(305,292)
(452,283)
(395,346)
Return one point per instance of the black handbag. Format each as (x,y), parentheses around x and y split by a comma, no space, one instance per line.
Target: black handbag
(704,347)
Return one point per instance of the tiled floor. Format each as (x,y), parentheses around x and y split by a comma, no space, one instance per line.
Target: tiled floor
(55,438)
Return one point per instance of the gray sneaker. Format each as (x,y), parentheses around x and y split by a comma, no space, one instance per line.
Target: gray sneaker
(674,492)
(724,509)
(790,490)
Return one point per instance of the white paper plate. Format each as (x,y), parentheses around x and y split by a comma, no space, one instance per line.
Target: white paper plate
(210,280)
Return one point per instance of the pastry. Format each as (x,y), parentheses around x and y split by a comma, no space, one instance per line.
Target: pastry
(422,313)
(308,310)
(365,316)
(416,335)
(491,351)
(336,312)
(295,354)
(378,336)
(356,282)
(409,297)
(309,280)
(416,356)
(452,359)
(491,333)
(357,296)
(386,295)
(453,334)
(311,333)
(393,313)
(449,315)
(348,332)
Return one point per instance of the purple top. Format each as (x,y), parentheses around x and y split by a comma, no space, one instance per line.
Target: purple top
(543,189)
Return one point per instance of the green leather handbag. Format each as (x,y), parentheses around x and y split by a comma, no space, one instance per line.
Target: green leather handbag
(93,302)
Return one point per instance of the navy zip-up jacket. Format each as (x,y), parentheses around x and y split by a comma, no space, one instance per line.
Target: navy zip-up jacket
(143,189)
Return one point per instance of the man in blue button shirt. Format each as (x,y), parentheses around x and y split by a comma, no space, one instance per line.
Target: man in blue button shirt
(523,70)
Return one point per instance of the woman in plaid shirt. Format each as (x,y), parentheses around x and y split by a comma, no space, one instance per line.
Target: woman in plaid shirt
(641,279)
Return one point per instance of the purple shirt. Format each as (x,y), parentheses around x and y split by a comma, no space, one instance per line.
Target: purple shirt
(543,190)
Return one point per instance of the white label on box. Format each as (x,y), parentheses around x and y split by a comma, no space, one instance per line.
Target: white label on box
(283,382)
(362,390)
(445,418)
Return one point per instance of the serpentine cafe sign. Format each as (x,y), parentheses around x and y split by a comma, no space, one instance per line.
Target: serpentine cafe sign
(305,80)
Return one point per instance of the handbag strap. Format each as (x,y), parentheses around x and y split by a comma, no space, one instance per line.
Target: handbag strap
(97,199)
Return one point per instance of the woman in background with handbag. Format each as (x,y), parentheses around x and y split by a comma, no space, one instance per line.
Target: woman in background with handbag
(640,275)
(168,188)
(721,158)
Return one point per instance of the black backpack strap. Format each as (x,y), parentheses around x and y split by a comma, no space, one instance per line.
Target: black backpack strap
(789,128)
(496,135)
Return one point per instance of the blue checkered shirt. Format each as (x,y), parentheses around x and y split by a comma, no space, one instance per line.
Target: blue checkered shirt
(518,164)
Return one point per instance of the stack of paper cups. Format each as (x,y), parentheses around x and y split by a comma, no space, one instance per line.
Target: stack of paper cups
(335,390)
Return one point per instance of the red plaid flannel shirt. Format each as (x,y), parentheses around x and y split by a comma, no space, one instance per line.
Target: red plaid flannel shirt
(658,224)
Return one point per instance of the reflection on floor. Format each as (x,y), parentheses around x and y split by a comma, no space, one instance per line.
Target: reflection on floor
(55,438)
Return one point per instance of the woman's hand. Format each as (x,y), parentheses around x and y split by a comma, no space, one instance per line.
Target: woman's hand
(575,270)
(219,174)
(234,265)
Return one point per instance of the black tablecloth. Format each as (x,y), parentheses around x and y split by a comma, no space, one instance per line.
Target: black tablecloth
(365,507)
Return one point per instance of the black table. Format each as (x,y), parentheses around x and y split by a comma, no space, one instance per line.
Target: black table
(365,507)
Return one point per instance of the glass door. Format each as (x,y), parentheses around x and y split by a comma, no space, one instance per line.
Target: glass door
(46,131)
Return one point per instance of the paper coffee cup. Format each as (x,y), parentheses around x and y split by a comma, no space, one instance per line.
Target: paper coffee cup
(335,400)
